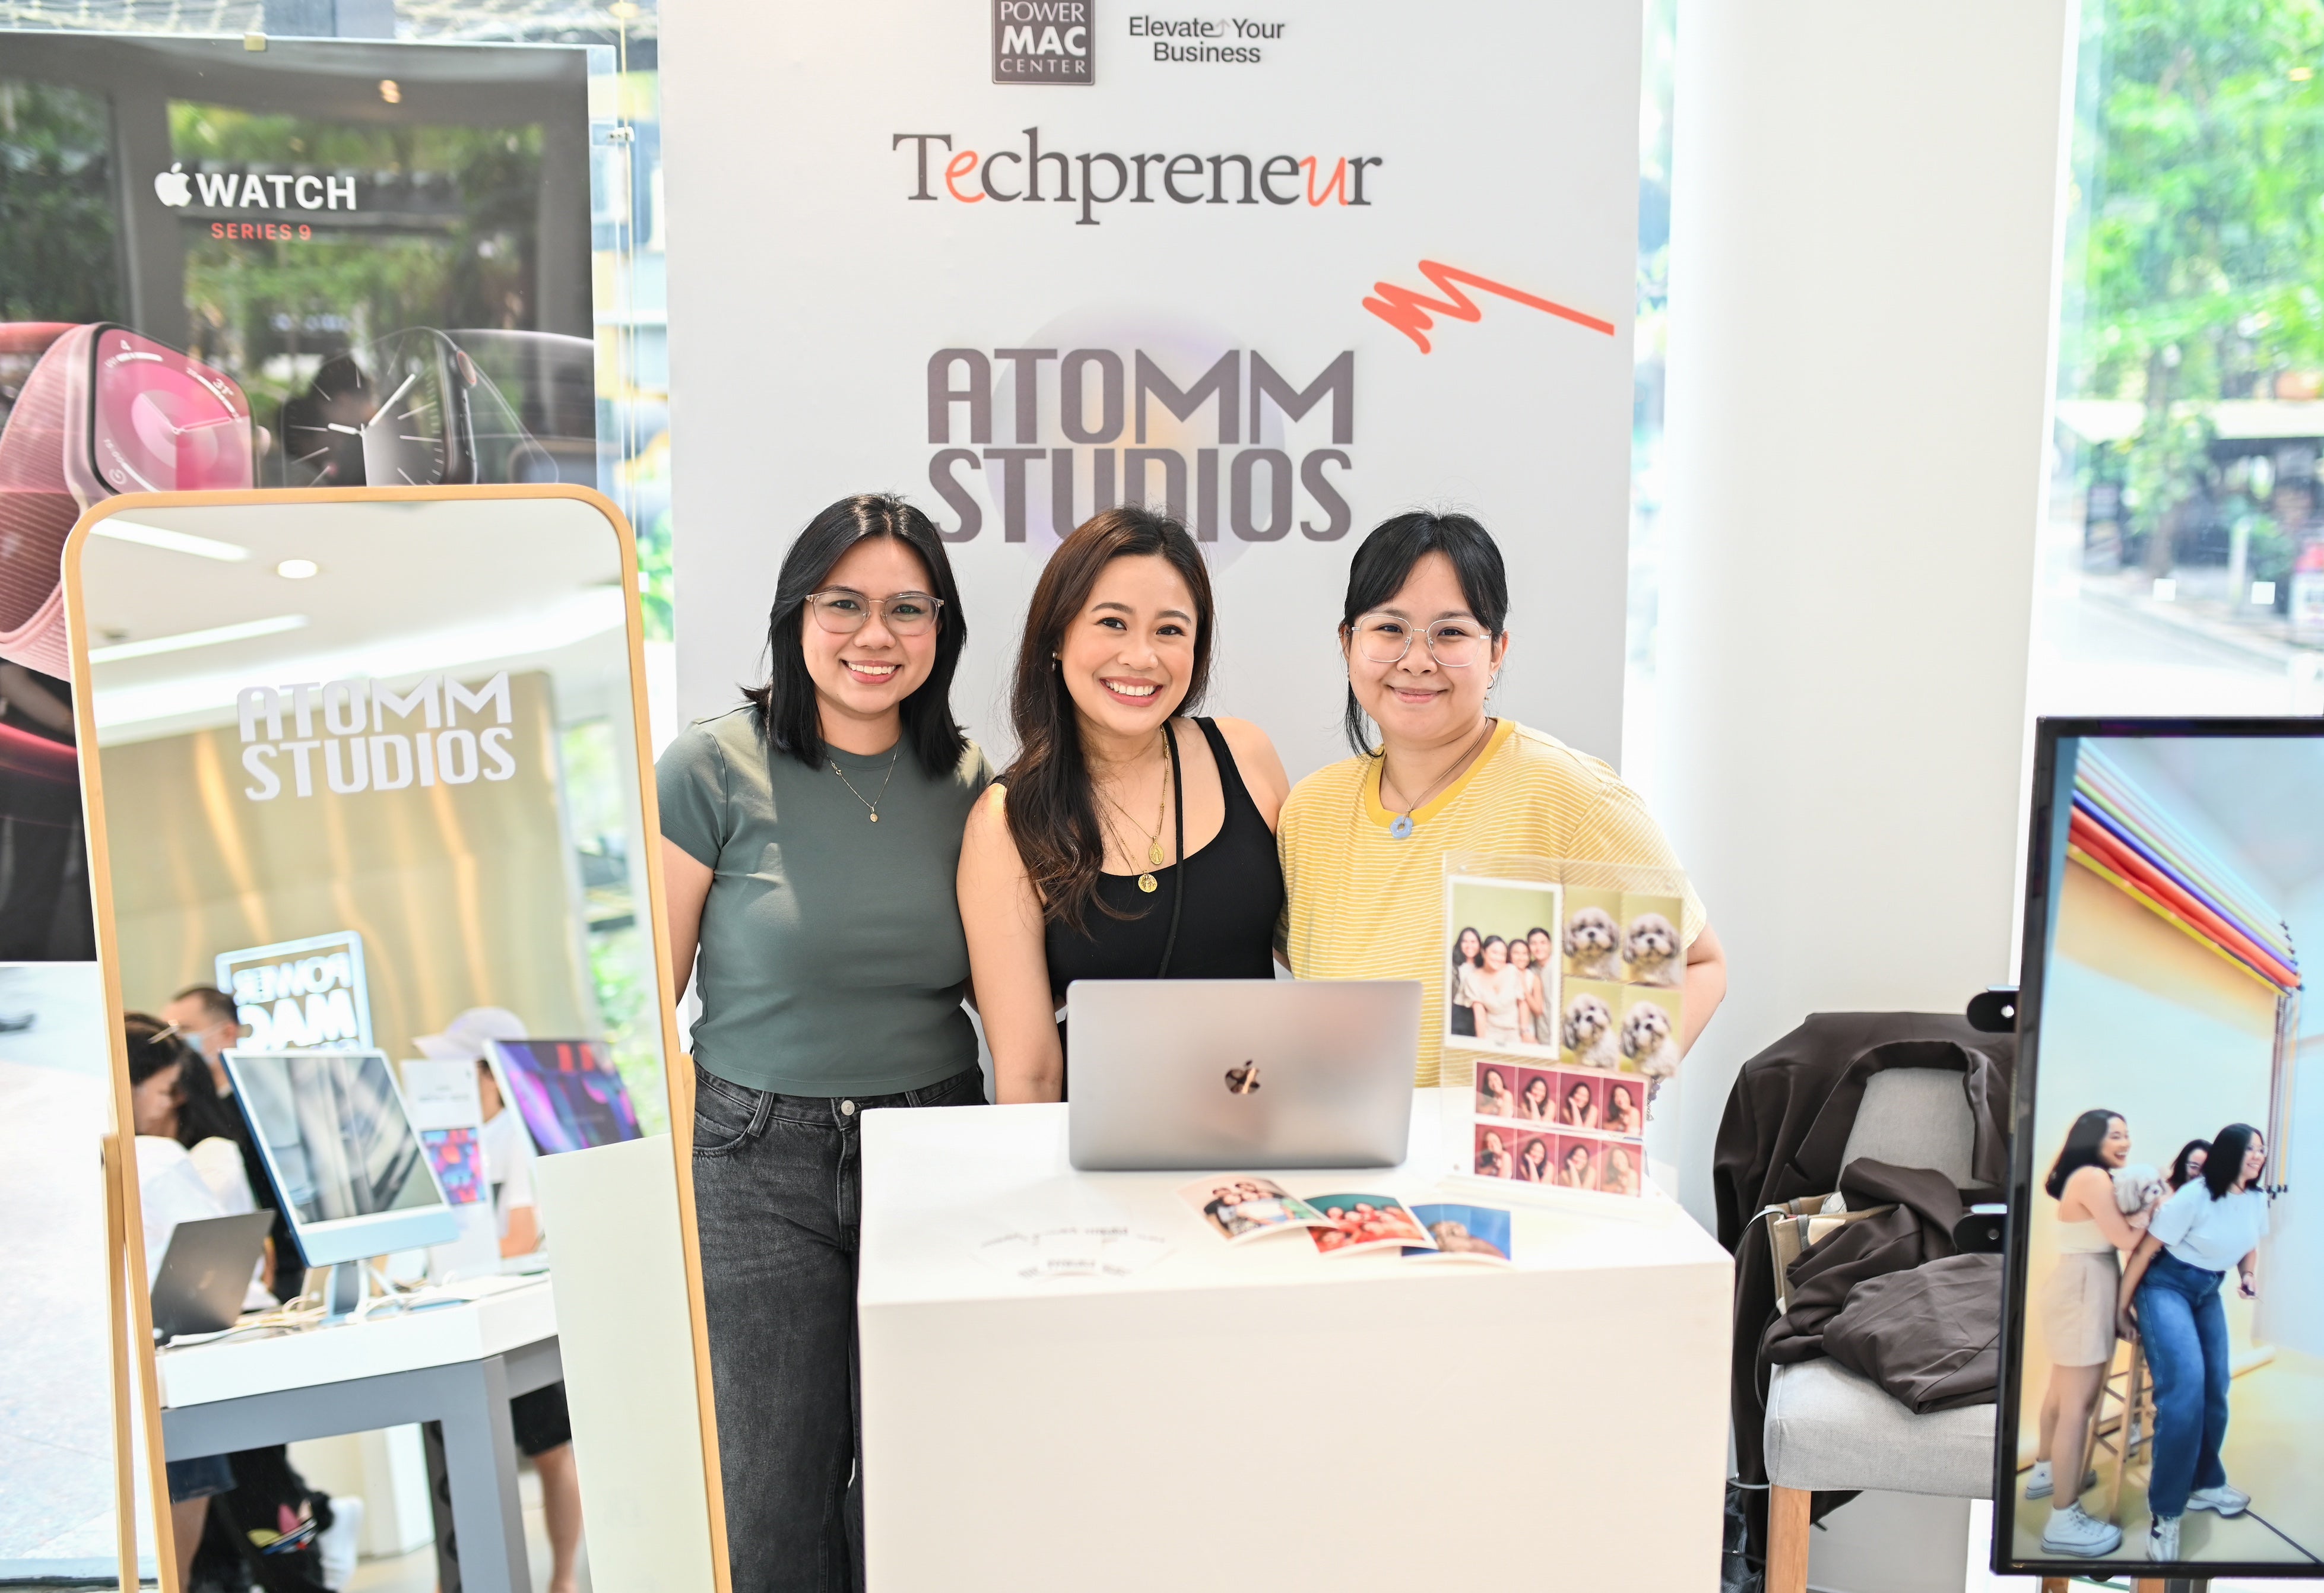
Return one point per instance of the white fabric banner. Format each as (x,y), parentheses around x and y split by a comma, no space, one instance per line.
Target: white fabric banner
(1288,271)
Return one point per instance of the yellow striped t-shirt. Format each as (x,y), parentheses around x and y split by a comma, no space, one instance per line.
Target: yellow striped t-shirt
(1361,904)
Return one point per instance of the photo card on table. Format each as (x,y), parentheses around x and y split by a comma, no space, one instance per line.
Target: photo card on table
(1464,1233)
(1652,954)
(1239,1206)
(1503,969)
(1589,1024)
(1363,1222)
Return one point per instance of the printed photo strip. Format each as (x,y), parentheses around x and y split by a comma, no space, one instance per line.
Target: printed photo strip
(1503,969)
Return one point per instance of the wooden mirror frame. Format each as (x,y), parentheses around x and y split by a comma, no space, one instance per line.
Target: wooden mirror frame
(132,1306)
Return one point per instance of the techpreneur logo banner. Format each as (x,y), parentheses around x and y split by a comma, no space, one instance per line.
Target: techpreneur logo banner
(1052,41)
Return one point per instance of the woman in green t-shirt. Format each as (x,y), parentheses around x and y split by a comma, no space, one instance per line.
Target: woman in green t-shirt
(810,839)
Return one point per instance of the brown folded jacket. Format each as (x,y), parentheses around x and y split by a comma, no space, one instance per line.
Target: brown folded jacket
(1920,1229)
(1931,1336)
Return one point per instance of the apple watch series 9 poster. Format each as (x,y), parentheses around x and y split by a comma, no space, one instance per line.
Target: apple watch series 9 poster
(327,263)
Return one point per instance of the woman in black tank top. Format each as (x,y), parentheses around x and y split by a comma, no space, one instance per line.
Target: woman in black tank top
(1233,896)
(1125,841)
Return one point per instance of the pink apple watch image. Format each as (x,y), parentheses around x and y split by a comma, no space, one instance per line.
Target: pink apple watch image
(104,410)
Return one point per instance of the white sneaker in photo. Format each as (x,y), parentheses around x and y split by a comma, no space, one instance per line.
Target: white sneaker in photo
(2040,1485)
(2163,1539)
(2074,1531)
(2223,1499)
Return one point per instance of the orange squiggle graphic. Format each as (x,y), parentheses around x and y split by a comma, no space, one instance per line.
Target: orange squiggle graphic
(1338,185)
(1409,310)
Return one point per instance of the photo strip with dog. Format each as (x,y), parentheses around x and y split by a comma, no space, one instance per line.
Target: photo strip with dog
(1562,1006)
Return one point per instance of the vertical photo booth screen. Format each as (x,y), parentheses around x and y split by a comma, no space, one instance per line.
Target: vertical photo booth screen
(2177,880)
(1282,279)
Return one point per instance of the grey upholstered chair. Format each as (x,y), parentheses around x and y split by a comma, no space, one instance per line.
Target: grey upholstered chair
(1828,1427)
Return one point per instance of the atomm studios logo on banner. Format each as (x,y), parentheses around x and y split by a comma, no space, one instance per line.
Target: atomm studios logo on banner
(1111,426)
(1044,41)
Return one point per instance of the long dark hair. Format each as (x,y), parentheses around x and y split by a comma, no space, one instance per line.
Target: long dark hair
(1385,561)
(155,1047)
(2224,1165)
(2179,1173)
(2080,1150)
(1052,811)
(788,713)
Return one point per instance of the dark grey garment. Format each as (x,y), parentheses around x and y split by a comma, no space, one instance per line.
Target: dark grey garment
(777,1199)
(1920,1230)
(1930,1336)
(832,957)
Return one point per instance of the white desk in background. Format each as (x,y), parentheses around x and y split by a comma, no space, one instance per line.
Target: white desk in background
(1264,1416)
(454,1365)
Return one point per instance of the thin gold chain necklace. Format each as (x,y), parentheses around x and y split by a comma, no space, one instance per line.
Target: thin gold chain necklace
(1402,828)
(874,804)
(1146,881)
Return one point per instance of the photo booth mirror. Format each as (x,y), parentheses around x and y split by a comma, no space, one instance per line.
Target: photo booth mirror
(2175,882)
(376,762)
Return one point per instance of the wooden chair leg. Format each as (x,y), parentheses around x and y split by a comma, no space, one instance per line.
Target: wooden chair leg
(1787,1539)
(2125,1449)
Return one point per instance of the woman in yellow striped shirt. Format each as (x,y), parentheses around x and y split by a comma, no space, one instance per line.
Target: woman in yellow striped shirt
(1363,841)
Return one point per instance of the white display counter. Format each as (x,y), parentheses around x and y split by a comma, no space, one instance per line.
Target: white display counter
(1265,1416)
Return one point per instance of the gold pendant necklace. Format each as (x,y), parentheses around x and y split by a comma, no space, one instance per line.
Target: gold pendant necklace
(874,804)
(1146,881)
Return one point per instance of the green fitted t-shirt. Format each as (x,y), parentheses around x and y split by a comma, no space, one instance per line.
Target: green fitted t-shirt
(832,958)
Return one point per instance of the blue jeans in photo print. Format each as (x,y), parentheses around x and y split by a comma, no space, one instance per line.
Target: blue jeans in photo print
(2184,1327)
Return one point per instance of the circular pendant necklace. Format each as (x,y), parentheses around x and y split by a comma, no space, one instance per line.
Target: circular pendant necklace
(1146,881)
(873,805)
(1402,826)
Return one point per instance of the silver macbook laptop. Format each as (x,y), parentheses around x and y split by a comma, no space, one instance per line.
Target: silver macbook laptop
(1229,1073)
(205,1272)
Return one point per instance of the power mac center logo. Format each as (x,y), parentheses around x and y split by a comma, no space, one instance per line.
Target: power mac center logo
(1052,41)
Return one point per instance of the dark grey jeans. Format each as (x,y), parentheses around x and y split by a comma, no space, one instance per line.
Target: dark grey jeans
(778,1193)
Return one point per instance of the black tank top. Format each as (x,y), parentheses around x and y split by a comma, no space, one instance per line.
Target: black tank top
(1226,928)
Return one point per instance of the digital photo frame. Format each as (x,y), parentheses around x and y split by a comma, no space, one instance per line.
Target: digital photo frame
(2163,1322)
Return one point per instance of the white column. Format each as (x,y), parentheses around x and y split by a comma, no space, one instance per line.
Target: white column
(1863,249)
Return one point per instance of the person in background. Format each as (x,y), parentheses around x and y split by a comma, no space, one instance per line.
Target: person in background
(1422,634)
(811,843)
(1069,868)
(2188,1164)
(178,1183)
(2170,1298)
(205,1014)
(543,1421)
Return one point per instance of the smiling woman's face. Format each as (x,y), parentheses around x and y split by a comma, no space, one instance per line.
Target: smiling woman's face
(866,674)
(1129,656)
(1415,699)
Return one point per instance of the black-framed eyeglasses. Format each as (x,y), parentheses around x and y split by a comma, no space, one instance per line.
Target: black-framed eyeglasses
(1455,644)
(841,610)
